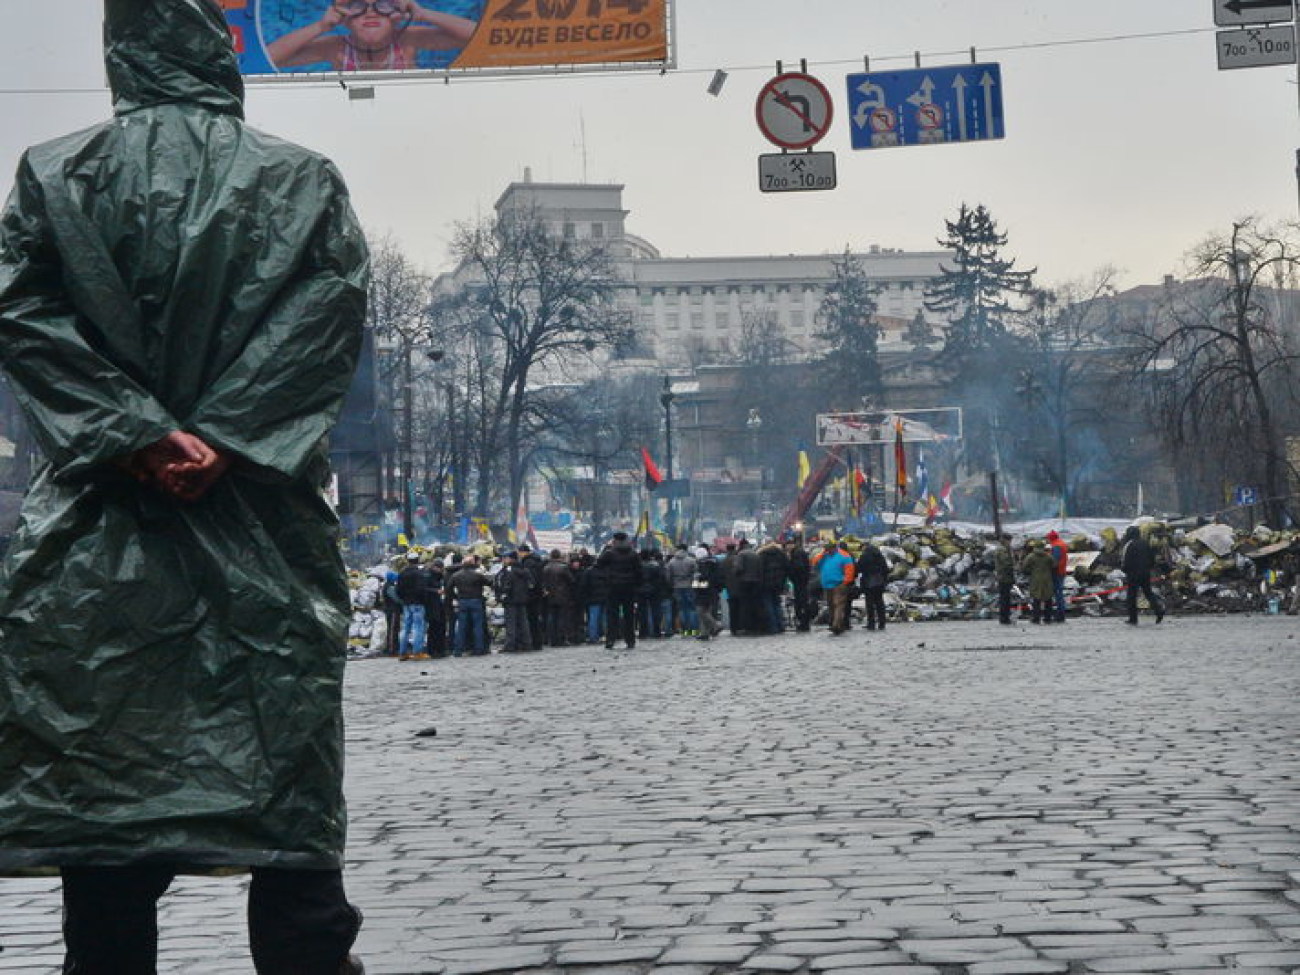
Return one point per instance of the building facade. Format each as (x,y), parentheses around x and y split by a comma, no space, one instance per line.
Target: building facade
(693,311)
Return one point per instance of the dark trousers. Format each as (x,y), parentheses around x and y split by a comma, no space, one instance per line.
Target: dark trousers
(735,612)
(518,637)
(1004,602)
(753,614)
(651,610)
(1143,584)
(394,617)
(706,608)
(620,619)
(537,621)
(773,610)
(875,596)
(559,624)
(1042,610)
(436,632)
(1058,588)
(299,921)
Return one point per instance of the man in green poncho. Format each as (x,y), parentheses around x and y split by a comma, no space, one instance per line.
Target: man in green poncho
(181,307)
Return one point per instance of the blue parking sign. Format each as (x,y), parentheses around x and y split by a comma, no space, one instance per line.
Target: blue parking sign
(926,106)
(1246,494)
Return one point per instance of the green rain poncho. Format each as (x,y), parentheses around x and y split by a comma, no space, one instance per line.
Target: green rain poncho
(170,673)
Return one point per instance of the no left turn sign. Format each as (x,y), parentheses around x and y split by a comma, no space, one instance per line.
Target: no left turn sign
(794,110)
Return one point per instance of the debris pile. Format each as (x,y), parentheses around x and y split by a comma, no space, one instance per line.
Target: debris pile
(947,572)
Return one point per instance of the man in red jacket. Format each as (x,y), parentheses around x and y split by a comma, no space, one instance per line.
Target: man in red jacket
(1059,552)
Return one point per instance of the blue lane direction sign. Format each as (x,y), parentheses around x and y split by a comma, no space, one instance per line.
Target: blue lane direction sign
(926,106)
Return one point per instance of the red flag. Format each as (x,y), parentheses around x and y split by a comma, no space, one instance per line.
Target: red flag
(652,476)
(900,459)
(861,488)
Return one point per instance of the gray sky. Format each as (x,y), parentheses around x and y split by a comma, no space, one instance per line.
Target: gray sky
(1123,153)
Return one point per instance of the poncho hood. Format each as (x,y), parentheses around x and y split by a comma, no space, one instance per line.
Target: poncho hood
(161,52)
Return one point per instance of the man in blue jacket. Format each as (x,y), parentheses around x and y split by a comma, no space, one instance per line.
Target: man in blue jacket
(835,569)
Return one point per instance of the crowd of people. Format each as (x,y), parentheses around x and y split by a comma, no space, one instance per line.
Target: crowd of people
(448,602)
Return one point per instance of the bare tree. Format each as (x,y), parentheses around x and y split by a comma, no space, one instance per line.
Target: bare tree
(1226,361)
(1066,384)
(599,425)
(547,302)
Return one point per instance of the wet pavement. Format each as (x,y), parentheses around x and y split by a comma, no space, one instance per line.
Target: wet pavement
(942,798)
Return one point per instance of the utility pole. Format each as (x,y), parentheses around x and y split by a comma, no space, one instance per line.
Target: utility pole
(666,398)
(408,446)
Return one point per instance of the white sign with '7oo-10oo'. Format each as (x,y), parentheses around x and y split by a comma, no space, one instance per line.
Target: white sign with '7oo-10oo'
(787,172)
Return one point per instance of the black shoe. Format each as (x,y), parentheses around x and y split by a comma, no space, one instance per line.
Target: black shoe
(352,966)
(609,646)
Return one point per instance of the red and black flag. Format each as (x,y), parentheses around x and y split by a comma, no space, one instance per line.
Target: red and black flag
(652,476)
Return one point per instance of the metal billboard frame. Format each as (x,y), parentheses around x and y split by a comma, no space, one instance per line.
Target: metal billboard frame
(940,424)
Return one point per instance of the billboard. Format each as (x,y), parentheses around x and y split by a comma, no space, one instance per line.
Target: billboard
(283,39)
(919,426)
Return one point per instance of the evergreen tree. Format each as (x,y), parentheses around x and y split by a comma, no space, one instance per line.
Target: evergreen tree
(847,318)
(974,294)
(920,333)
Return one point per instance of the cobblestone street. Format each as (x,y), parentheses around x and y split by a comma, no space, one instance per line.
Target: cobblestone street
(940,799)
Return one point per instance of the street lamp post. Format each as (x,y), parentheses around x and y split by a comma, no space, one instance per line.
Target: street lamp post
(408,447)
(666,399)
(754,424)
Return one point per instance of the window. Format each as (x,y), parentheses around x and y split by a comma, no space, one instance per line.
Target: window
(672,321)
(569,231)
(597,231)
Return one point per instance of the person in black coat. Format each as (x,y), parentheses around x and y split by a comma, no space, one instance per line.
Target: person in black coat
(530,560)
(436,635)
(593,594)
(513,586)
(622,568)
(731,583)
(800,572)
(654,592)
(774,568)
(1136,564)
(708,590)
(873,572)
(559,584)
(749,578)
(410,590)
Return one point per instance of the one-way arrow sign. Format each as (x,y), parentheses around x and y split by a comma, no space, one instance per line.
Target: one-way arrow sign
(1236,13)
